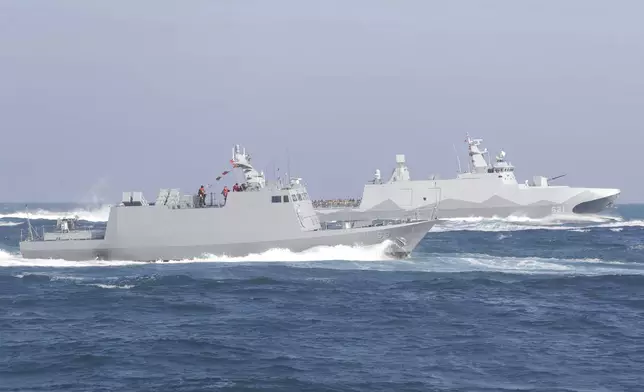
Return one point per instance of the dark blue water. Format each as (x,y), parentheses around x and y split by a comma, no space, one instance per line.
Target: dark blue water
(483,305)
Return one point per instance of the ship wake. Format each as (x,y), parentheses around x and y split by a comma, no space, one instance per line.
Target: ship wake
(475,262)
(365,259)
(320,253)
(276,255)
(518,223)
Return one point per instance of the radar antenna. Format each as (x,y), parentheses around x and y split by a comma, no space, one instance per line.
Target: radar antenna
(241,160)
(288,166)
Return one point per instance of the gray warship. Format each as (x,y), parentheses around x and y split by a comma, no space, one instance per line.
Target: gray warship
(262,216)
(486,189)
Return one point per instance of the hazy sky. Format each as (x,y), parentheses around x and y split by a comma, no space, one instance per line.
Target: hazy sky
(98,97)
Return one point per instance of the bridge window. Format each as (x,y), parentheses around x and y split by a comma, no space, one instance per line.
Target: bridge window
(276,199)
(285,198)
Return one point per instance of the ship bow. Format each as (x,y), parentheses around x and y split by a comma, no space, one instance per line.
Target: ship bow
(406,238)
(600,200)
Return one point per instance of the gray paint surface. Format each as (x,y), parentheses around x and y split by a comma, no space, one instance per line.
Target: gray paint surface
(265,216)
(486,189)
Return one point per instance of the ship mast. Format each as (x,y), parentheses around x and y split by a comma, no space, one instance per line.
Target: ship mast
(254,180)
(478,164)
(30,228)
(458,160)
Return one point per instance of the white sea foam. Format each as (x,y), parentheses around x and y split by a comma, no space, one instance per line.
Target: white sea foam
(112,286)
(10,224)
(368,258)
(98,214)
(531,265)
(580,223)
(321,253)
(15,260)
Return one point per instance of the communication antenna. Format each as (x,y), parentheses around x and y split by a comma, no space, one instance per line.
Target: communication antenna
(458,160)
(439,195)
(288,167)
(469,161)
(30,229)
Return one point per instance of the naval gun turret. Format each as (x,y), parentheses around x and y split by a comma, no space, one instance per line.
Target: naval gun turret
(67,229)
(66,224)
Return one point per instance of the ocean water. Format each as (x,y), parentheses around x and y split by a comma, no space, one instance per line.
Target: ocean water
(482,305)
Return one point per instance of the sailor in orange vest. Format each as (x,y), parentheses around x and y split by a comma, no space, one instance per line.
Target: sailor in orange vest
(225,193)
(202,196)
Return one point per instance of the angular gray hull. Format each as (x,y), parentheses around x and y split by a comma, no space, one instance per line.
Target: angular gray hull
(543,208)
(254,218)
(486,189)
(462,198)
(81,250)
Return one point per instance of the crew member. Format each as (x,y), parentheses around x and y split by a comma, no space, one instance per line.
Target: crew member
(225,193)
(236,187)
(202,196)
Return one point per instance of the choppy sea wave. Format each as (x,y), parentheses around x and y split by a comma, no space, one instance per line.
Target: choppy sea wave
(96,214)
(512,223)
(481,305)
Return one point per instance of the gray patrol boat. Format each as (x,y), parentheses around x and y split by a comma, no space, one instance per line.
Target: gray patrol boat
(261,217)
(487,189)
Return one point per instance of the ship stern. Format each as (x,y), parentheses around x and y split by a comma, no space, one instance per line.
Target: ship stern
(62,250)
